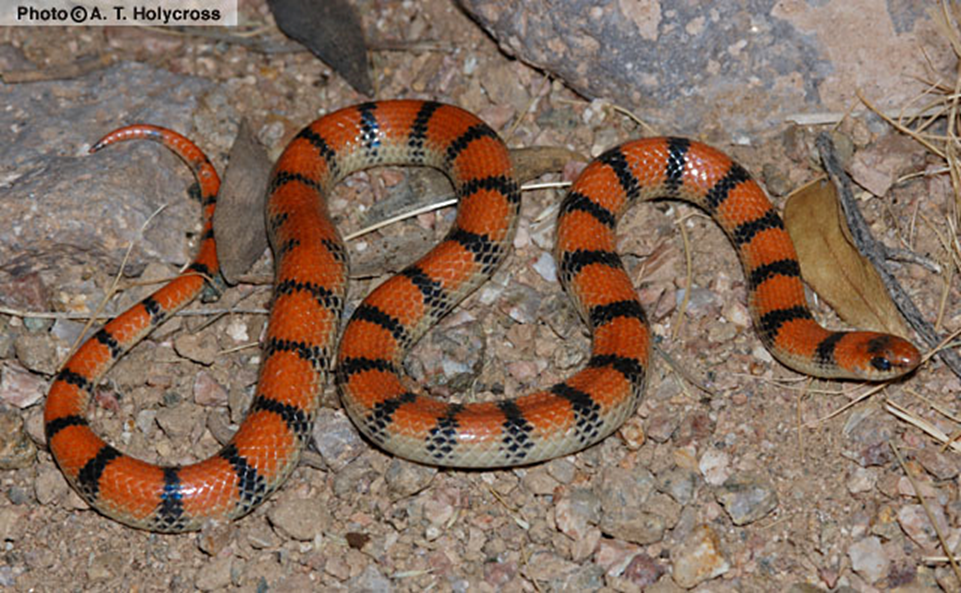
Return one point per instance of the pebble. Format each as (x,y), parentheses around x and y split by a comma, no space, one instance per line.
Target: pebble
(215,574)
(699,558)
(862,479)
(747,497)
(562,469)
(407,479)
(336,438)
(200,348)
(614,555)
(50,486)
(302,519)
(714,465)
(643,571)
(546,267)
(868,559)
(577,510)
(914,521)
(214,537)
(678,483)
(16,448)
(938,464)
(660,427)
(207,391)
(11,523)
(37,352)
(371,579)
(146,421)
(19,387)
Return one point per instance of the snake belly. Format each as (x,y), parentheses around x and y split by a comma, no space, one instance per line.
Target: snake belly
(310,288)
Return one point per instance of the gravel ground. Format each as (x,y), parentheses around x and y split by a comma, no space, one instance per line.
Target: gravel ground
(766,482)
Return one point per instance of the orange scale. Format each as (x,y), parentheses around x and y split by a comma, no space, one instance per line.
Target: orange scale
(366,339)
(800,337)
(483,157)
(74,447)
(132,487)
(484,213)
(64,399)
(598,284)
(301,317)
(450,263)
(623,336)
(767,246)
(209,487)
(647,160)
(399,298)
(287,378)
(89,359)
(310,263)
(704,167)
(341,129)
(448,124)
(546,412)
(373,387)
(601,185)
(417,418)
(396,119)
(579,230)
(129,324)
(606,386)
(745,203)
(264,441)
(778,292)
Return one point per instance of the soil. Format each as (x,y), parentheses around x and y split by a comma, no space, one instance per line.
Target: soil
(766,481)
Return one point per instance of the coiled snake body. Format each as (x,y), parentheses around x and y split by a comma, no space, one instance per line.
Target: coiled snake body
(311,277)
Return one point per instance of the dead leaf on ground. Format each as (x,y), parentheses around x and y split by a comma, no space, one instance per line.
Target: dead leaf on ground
(239,224)
(332,31)
(833,266)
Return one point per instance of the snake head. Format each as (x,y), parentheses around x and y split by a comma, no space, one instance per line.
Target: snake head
(883,356)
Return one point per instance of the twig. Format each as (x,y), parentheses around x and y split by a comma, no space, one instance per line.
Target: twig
(871,249)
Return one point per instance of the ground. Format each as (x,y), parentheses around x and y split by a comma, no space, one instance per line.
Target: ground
(764,481)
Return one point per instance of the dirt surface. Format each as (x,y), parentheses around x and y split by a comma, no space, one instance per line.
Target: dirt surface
(765,482)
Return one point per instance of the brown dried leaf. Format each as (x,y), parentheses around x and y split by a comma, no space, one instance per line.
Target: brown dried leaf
(332,31)
(239,225)
(833,266)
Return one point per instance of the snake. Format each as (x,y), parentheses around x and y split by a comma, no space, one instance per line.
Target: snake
(301,350)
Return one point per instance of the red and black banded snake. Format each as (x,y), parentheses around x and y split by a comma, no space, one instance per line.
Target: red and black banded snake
(299,352)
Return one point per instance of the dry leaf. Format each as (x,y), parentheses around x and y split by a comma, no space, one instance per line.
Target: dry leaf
(833,266)
(239,225)
(332,31)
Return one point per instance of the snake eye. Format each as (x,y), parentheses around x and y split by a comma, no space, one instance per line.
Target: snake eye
(881,363)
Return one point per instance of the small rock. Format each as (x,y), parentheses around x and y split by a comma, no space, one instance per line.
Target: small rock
(200,348)
(539,481)
(747,497)
(207,391)
(370,580)
(715,466)
(678,483)
(37,352)
(214,574)
(302,519)
(336,438)
(643,571)
(562,470)
(19,387)
(699,558)
(545,267)
(105,566)
(623,496)
(914,521)
(938,464)
(146,421)
(862,479)
(576,511)
(868,559)
(50,486)
(214,537)
(406,479)
(16,448)
(660,427)
(11,523)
